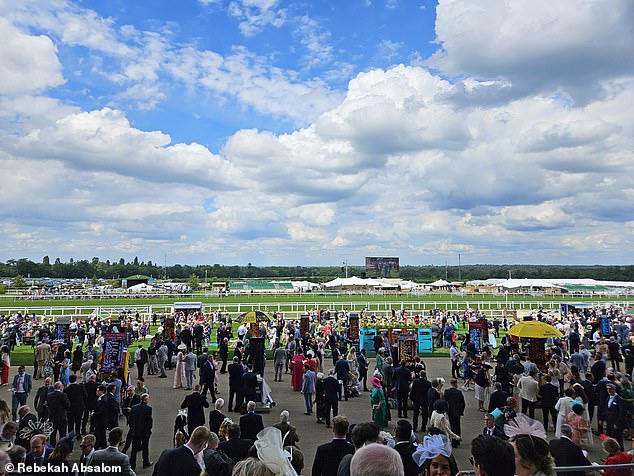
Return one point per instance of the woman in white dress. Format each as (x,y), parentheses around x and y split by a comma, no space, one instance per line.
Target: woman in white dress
(563,407)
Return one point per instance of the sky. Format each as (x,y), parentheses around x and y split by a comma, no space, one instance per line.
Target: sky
(317,132)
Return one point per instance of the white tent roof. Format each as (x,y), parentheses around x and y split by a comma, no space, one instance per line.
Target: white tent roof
(440,283)
(141,287)
(528,283)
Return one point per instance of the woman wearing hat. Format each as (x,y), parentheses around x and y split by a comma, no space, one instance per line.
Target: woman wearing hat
(380,410)
(434,456)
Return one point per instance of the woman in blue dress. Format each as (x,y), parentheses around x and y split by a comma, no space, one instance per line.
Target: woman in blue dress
(64,374)
(467,372)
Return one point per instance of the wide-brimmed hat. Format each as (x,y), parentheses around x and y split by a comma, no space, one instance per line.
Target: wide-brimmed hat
(376,382)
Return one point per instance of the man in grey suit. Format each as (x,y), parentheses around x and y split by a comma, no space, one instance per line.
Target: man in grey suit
(191,362)
(111,456)
(161,355)
(21,387)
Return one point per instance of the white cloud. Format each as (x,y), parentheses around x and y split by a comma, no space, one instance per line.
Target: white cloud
(255,15)
(537,45)
(22,72)
(254,83)
(315,40)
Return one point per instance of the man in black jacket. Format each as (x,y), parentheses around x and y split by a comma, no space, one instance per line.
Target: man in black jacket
(490,428)
(140,422)
(329,455)
(418,396)
(251,423)
(40,399)
(249,385)
(549,394)
(99,419)
(498,398)
(223,353)
(216,417)
(207,377)
(455,399)
(402,434)
(129,401)
(402,378)
(91,401)
(77,396)
(182,460)
(235,447)
(566,452)
(113,407)
(195,404)
(236,370)
(58,406)
(331,397)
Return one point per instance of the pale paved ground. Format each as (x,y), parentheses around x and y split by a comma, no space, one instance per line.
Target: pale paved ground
(165,401)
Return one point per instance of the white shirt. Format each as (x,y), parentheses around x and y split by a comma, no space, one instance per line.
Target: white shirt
(20,386)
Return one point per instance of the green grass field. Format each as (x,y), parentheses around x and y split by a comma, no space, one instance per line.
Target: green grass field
(12,301)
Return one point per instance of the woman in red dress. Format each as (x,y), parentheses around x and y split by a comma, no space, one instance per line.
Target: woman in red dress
(298,370)
(615,456)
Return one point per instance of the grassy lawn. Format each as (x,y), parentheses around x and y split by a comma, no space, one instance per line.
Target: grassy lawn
(309,298)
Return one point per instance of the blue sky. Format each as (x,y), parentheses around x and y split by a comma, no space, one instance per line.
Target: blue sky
(273,132)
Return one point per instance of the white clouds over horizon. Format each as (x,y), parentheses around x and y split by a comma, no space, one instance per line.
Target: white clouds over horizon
(481,154)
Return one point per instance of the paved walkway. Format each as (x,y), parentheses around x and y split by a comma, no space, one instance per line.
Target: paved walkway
(165,401)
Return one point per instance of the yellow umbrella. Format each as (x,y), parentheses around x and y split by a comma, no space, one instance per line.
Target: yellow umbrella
(536,329)
(254,316)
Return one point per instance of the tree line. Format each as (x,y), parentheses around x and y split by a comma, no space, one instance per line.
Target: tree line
(96,268)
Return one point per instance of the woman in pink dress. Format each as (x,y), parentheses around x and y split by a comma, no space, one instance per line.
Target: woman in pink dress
(298,370)
(179,374)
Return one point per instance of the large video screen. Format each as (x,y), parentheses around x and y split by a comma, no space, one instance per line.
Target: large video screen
(381,267)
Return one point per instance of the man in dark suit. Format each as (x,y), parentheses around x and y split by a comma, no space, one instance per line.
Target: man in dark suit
(342,369)
(613,415)
(455,399)
(432,395)
(91,400)
(329,455)
(207,377)
(548,395)
(21,387)
(140,422)
(77,396)
(182,460)
(249,385)
(40,398)
(236,370)
(418,396)
(235,447)
(223,353)
(40,451)
(402,434)
(331,397)
(216,417)
(27,419)
(58,406)
(498,398)
(114,408)
(195,404)
(402,378)
(566,452)
(99,419)
(490,428)
(129,401)
(111,456)
(251,423)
